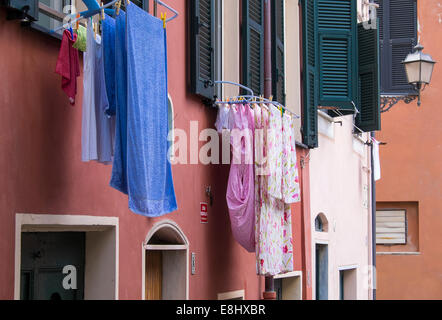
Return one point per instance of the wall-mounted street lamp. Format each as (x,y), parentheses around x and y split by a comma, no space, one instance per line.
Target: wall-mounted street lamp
(419,68)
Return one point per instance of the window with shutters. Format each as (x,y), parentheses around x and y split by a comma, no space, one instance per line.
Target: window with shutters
(340,66)
(253,47)
(398,35)
(252,40)
(278,51)
(391,227)
(205,47)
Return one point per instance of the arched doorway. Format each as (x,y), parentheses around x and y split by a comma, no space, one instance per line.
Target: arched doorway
(165,270)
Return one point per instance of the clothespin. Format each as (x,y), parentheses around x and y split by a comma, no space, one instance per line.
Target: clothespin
(118,6)
(102,11)
(77,24)
(163,18)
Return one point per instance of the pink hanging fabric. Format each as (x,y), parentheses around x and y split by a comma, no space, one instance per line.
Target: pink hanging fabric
(240,189)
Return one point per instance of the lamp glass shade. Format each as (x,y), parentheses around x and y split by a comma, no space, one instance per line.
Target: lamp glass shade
(427,71)
(413,71)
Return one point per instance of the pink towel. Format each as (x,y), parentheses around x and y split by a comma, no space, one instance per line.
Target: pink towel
(240,189)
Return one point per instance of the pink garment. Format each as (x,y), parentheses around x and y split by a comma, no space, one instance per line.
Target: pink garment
(68,65)
(240,189)
(273,232)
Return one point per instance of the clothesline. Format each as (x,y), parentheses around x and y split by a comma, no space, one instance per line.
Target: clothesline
(92,12)
(251,98)
(257,100)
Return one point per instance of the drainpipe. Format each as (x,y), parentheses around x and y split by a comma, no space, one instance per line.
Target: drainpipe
(267,48)
(269,293)
(373,220)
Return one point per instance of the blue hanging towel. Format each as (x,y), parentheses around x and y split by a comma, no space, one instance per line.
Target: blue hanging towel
(149,174)
(119,168)
(108,25)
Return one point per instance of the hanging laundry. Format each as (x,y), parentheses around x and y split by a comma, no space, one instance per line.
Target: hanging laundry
(68,65)
(222,119)
(97,127)
(119,168)
(290,187)
(89,122)
(80,44)
(275,156)
(260,165)
(149,174)
(376,160)
(269,244)
(240,189)
(108,26)
(274,245)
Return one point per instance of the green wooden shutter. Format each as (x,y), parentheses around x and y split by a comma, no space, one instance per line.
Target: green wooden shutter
(382,44)
(202,41)
(310,75)
(337,61)
(398,35)
(253,45)
(369,118)
(278,63)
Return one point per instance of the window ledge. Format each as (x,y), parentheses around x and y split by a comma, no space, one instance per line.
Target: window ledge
(40,28)
(398,253)
(358,137)
(325,116)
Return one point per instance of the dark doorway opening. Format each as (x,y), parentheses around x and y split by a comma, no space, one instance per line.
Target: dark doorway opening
(44,257)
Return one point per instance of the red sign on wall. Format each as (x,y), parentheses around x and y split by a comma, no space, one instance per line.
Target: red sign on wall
(203,212)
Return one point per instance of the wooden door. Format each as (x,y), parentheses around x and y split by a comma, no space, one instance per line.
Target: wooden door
(154,275)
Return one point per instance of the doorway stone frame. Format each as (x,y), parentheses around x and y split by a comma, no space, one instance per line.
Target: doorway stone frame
(92,225)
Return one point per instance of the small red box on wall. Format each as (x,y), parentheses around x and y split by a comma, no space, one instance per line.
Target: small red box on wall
(203,212)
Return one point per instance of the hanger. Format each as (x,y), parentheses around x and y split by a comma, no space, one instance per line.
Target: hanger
(253,98)
(94,9)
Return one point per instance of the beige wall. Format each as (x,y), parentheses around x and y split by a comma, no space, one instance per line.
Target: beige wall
(293,61)
(231,46)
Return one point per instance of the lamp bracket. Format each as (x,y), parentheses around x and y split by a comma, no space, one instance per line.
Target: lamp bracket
(388,102)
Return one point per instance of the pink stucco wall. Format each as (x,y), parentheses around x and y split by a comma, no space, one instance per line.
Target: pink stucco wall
(41,169)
